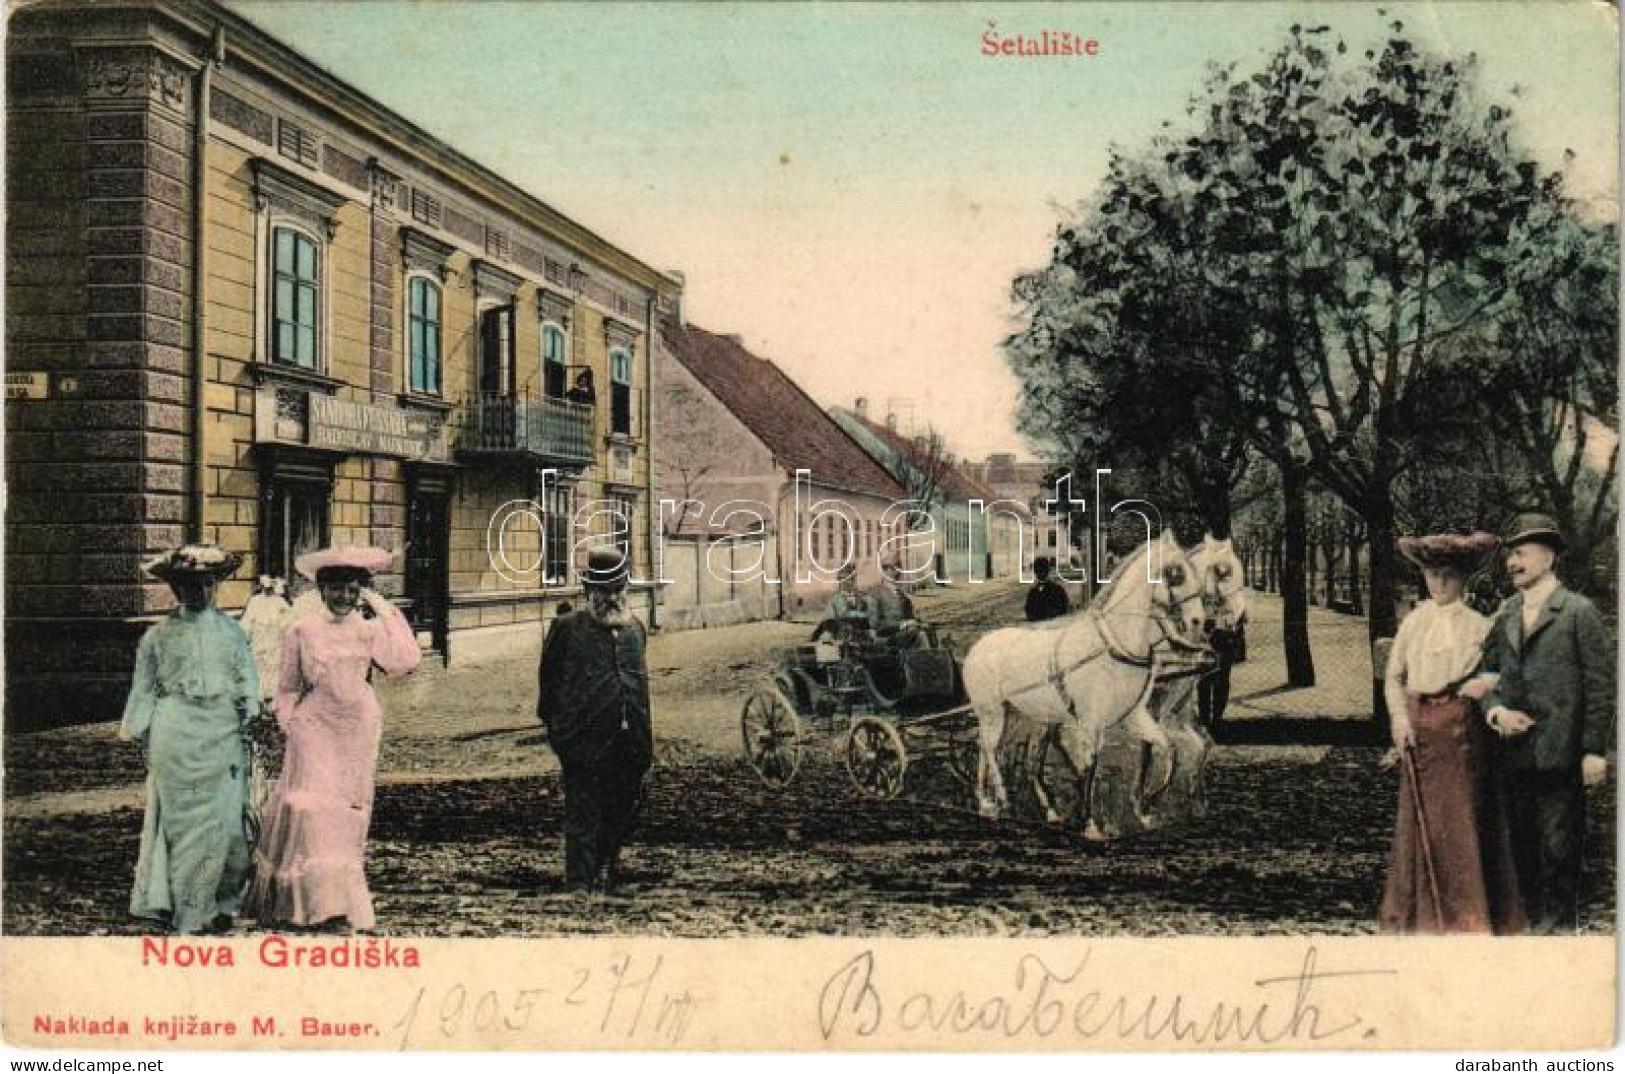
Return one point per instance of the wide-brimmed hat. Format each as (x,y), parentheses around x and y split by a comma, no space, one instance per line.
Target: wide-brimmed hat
(355,557)
(605,567)
(1463,552)
(1534,527)
(193,561)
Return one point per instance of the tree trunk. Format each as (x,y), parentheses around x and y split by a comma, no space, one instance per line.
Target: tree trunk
(1356,603)
(1384,563)
(1311,563)
(1216,512)
(1574,565)
(1300,663)
(1329,550)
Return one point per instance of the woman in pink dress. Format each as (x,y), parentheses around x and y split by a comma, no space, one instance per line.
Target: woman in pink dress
(309,863)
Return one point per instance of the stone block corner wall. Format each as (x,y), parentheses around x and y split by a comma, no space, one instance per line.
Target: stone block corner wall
(98,296)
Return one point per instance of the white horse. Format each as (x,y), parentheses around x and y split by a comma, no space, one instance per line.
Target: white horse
(1150,765)
(1182,787)
(1084,672)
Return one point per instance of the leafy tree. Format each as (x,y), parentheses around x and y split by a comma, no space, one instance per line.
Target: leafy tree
(1307,268)
(1552,411)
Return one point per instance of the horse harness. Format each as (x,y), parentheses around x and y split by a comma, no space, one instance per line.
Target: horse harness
(1055,677)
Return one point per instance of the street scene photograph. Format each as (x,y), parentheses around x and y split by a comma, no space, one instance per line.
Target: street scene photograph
(521,470)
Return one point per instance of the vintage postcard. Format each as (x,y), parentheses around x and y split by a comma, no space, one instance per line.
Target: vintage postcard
(810,527)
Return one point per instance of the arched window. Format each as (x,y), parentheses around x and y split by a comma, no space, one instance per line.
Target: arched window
(620,400)
(423,335)
(295,287)
(553,361)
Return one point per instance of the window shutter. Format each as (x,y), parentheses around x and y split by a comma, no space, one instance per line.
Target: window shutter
(425,208)
(496,243)
(296,143)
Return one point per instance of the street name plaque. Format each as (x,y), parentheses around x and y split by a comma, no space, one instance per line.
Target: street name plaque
(28,385)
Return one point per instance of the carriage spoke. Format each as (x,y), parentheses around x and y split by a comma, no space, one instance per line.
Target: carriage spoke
(876,758)
(771,731)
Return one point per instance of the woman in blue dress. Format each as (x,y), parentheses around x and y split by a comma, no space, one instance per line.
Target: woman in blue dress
(194,688)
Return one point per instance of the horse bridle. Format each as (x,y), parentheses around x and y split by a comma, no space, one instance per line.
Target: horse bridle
(1172,612)
(1113,649)
(1222,596)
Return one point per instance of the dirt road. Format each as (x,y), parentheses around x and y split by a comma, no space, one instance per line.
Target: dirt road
(465,836)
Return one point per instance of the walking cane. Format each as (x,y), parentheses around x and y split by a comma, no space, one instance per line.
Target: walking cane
(1407,755)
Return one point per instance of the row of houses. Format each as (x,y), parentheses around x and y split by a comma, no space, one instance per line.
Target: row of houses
(247,303)
(774,495)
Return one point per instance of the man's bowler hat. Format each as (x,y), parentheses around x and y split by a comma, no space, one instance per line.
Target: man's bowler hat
(605,567)
(1534,527)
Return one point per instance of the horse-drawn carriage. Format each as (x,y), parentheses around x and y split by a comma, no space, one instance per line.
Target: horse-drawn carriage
(1104,697)
(888,705)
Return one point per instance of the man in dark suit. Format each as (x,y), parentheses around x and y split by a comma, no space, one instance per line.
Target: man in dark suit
(594,700)
(1553,707)
(1046,599)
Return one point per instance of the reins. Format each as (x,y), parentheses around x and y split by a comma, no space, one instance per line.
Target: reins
(1111,648)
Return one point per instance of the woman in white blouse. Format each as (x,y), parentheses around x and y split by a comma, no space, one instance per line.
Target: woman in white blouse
(1451,868)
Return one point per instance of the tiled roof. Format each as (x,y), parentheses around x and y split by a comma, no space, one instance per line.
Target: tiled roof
(1005,470)
(987,495)
(778,412)
(954,483)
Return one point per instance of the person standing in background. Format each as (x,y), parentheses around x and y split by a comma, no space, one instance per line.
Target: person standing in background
(1046,599)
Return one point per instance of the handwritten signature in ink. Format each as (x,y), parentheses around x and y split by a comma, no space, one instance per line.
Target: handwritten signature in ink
(1044,1001)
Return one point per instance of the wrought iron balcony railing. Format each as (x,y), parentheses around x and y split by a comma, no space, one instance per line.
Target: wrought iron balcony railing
(548,429)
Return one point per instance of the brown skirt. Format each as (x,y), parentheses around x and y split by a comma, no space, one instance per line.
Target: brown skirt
(1451,867)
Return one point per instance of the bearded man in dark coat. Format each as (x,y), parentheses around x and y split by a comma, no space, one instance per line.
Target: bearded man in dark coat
(594,700)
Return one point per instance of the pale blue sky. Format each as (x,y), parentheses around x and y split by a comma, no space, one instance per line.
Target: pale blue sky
(852,187)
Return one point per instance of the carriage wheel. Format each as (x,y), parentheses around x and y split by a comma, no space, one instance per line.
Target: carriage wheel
(772,737)
(875,757)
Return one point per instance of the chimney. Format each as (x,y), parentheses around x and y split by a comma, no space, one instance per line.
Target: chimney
(677,302)
(891,420)
(861,405)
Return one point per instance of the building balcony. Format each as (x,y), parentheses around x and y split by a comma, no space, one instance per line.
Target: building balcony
(539,430)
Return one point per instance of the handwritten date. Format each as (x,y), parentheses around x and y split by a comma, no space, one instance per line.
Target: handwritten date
(620,999)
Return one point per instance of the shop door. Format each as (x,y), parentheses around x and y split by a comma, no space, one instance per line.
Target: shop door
(295,504)
(427,574)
